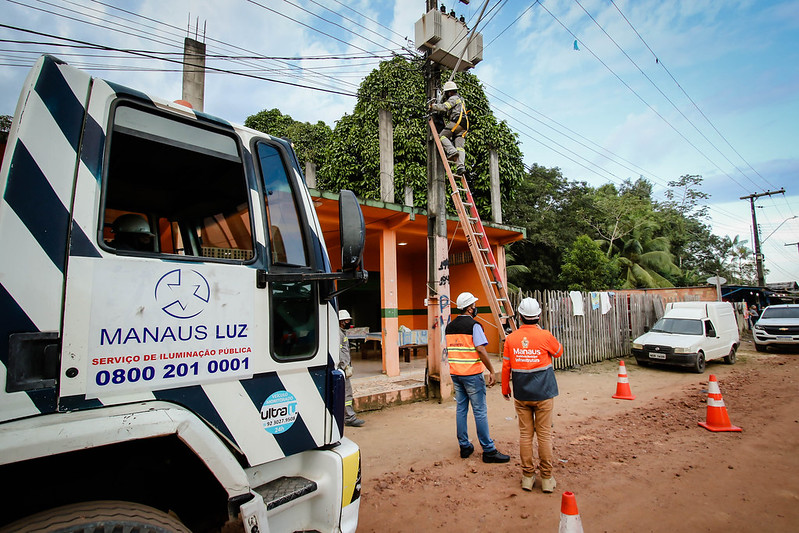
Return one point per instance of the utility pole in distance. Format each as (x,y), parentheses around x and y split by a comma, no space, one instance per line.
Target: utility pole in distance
(761,278)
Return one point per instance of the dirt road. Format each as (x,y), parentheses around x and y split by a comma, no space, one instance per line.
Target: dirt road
(635,465)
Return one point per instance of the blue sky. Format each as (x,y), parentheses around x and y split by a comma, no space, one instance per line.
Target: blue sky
(721,100)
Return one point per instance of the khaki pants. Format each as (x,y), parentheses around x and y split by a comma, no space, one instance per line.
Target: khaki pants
(535,417)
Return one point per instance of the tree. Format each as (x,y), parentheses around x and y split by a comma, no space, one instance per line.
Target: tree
(353,159)
(618,213)
(586,267)
(554,213)
(5,126)
(645,262)
(309,140)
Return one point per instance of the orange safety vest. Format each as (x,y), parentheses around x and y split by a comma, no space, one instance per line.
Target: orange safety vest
(461,352)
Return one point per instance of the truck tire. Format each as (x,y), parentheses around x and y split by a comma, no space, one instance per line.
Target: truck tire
(99,516)
(699,365)
(730,359)
(760,347)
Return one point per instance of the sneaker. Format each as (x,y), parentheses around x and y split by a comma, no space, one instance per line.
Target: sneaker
(355,422)
(548,484)
(466,451)
(495,457)
(528,482)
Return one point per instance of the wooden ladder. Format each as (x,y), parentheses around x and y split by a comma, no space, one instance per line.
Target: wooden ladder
(483,257)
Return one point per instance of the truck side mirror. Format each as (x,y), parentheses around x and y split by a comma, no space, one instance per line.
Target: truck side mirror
(352,231)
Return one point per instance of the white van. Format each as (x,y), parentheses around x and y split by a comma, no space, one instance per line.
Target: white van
(689,334)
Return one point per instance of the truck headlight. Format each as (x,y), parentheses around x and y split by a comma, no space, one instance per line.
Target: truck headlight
(638,346)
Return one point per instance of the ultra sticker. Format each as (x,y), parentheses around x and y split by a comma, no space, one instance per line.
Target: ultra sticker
(279,412)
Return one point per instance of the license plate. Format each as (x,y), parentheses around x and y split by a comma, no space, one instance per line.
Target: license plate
(653,355)
(786,337)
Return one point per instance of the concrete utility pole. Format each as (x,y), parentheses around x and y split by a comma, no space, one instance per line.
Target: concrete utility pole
(438,302)
(194,71)
(761,279)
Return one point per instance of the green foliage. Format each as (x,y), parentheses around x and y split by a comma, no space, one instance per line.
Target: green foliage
(353,159)
(309,140)
(5,126)
(554,212)
(586,268)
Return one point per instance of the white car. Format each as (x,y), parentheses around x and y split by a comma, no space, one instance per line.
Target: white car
(778,325)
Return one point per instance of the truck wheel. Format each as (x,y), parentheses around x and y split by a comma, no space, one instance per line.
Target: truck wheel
(760,347)
(730,359)
(100,516)
(699,365)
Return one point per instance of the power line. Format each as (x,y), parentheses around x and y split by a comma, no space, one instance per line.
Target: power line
(586,47)
(104,47)
(663,66)
(661,92)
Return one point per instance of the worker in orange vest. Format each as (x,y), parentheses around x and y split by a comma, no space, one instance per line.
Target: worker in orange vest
(527,361)
(468,359)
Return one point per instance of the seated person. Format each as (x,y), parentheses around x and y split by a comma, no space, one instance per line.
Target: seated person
(132,232)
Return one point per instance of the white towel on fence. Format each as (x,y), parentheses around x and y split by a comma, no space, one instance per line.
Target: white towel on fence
(577,302)
(604,302)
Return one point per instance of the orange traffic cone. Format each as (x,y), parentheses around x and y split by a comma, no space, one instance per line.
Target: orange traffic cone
(623,391)
(717,418)
(569,516)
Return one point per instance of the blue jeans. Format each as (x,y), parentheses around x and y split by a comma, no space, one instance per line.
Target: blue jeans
(472,389)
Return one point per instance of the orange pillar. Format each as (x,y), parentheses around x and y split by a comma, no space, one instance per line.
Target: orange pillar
(388,301)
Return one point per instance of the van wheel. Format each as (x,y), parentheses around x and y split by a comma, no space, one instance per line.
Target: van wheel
(730,359)
(101,516)
(699,365)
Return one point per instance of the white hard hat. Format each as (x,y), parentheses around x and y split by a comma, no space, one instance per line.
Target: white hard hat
(450,86)
(344,315)
(529,308)
(465,299)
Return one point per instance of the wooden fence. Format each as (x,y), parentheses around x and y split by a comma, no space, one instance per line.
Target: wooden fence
(595,336)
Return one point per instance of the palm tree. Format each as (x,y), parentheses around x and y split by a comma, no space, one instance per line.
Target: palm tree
(646,263)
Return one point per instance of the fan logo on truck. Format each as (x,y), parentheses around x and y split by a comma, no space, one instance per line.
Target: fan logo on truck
(182,293)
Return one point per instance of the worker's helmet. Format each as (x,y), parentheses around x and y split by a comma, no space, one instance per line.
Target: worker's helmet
(529,308)
(131,223)
(344,315)
(449,86)
(465,299)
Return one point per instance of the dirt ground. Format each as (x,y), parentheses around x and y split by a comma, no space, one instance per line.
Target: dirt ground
(634,465)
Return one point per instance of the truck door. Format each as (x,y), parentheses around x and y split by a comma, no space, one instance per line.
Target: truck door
(165,304)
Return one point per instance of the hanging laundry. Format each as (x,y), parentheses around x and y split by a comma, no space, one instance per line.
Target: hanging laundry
(604,300)
(577,302)
(594,300)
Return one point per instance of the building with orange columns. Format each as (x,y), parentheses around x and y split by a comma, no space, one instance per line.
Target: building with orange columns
(395,255)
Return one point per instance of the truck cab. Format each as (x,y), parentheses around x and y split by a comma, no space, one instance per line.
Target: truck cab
(170,335)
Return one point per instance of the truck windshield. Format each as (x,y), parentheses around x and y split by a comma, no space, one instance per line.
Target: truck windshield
(781,312)
(679,326)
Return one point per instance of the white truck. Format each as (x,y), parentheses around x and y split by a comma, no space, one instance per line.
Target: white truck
(169,336)
(689,334)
